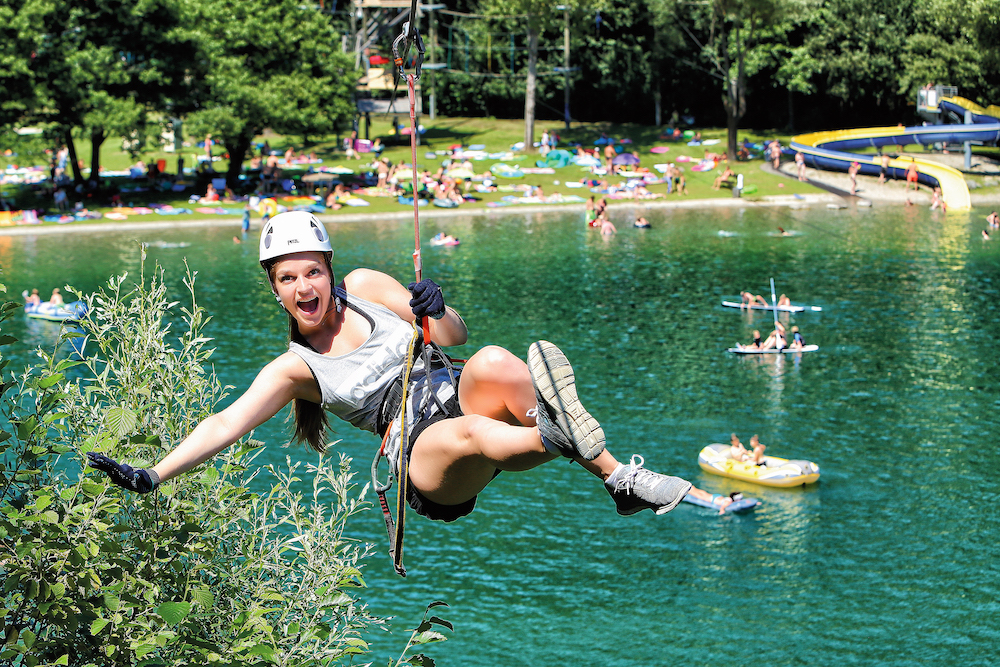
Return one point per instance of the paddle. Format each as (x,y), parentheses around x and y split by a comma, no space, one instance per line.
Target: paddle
(774,305)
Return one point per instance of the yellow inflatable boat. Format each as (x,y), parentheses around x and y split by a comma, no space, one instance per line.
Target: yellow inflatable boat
(715,459)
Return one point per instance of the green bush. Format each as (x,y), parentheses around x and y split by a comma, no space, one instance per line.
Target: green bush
(202,572)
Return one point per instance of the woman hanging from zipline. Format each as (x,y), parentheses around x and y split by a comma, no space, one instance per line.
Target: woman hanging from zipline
(351,345)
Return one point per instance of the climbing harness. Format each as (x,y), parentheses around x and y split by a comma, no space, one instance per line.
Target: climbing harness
(401,392)
(397,402)
(395,529)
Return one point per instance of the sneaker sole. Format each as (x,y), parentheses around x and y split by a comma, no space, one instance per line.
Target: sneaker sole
(657,509)
(555,385)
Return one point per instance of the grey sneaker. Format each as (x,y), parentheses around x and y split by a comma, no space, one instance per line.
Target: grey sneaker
(634,489)
(562,419)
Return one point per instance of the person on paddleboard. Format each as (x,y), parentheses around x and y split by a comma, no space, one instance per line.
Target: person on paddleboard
(776,339)
(798,342)
(757,344)
(750,299)
(350,345)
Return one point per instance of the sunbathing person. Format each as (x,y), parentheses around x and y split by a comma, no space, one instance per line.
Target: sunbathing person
(211,196)
(784,301)
(750,299)
(755,345)
(726,174)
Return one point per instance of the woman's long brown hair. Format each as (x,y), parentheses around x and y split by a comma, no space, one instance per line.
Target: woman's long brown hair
(310,418)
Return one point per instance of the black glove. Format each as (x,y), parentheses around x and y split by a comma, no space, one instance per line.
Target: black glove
(428,299)
(125,476)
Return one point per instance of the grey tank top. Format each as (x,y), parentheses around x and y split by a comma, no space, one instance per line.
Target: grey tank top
(352,384)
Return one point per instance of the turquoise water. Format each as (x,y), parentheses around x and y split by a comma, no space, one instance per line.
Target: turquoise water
(891,559)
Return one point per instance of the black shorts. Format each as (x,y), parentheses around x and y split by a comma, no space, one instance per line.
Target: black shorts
(425,506)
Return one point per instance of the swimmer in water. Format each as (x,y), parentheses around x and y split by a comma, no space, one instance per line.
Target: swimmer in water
(722,502)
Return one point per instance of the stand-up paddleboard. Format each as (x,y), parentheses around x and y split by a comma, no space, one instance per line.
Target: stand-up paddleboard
(771,350)
(741,505)
(784,309)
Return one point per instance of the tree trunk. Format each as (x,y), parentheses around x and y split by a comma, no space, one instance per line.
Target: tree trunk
(77,174)
(733,124)
(96,140)
(237,153)
(791,111)
(657,108)
(529,89)
(734,99)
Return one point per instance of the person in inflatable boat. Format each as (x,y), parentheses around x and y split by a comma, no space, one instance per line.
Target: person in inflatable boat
(349,347)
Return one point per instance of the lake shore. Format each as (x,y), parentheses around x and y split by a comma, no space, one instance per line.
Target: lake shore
(836,193)
(615,207)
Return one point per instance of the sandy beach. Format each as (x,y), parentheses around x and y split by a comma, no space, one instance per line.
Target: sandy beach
(895,191)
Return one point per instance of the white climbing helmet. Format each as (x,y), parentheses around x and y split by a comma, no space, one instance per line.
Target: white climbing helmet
(294,231)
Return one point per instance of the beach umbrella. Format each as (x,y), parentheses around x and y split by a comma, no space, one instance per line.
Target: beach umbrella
(625,158)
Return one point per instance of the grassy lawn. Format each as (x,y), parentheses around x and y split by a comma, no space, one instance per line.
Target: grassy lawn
(441,134)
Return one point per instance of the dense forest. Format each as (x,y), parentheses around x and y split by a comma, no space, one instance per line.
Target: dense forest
(106,69)
(792,64)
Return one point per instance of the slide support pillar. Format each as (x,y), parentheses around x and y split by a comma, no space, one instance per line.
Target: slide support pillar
(968,144)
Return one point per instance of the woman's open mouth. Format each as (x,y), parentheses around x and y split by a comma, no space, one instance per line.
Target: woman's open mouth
(309,307)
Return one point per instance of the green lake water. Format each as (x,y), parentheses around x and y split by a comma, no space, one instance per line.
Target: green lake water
(891,559)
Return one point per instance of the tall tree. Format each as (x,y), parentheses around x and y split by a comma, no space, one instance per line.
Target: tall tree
(275,64)
(102,64)
(539,16)
(663,48)
(986,28)
(15,64)
(725,32)
(941,47)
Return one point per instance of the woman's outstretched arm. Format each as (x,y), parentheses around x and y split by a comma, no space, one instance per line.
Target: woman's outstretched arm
(283,379)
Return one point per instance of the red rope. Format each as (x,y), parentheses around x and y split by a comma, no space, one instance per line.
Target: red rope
(417,264)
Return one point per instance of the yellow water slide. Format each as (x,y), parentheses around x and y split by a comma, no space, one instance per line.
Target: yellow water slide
(820,150)
(992,110)
(833,150)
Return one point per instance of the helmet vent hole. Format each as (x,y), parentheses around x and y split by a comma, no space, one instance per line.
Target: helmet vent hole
(317,231)
(267,237)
